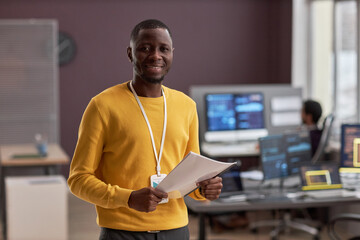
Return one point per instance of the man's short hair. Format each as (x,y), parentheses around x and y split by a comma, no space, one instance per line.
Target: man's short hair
(314,109)
(148,24)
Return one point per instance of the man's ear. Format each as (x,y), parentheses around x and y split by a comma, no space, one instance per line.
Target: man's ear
(129,53)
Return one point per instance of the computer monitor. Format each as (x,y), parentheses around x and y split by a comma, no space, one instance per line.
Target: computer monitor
(348,133)
(273,156)
(234,117)
(298,150)
(282,155)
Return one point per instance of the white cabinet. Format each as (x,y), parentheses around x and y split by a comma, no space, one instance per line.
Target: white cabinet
(37,208)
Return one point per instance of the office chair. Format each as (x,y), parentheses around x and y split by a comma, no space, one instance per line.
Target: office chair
(339,218)
(284,223)
(324,139)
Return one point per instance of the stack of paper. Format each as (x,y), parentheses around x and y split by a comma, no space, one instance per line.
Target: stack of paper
(192,169)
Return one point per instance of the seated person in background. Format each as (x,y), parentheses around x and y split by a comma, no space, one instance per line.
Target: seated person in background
(310,114)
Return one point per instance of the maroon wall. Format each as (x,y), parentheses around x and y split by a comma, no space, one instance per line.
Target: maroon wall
(216,42)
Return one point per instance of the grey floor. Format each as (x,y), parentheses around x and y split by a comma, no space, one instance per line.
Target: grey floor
(82,226)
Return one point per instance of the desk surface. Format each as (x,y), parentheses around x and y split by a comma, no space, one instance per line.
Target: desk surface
(266,204)
(55,155)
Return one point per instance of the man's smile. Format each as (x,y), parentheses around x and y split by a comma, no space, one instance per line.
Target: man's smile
(154,68)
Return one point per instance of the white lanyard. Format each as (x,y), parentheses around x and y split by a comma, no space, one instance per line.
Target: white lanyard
(158,159)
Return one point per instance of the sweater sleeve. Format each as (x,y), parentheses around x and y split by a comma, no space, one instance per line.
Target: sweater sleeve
(193,145)
(83,179)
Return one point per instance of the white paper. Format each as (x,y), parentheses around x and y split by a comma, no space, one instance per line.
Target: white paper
(286,119)
(192,169)
(286,103)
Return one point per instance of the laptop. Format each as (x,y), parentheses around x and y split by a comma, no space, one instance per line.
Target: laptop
(233,190)
(321,181)
(232,186)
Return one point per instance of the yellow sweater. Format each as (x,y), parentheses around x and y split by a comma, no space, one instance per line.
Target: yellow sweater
(114,156)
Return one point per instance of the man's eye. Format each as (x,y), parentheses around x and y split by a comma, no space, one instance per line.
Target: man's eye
(164,49)
(144,49)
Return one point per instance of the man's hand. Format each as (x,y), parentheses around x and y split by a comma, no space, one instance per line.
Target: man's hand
(211,188)
(146,199)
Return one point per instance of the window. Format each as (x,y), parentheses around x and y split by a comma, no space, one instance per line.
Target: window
(325,56)
(321,86)
(28,74)
(346,61)
(333,57)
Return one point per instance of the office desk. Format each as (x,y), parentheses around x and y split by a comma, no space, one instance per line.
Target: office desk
(56,156)
(205,207)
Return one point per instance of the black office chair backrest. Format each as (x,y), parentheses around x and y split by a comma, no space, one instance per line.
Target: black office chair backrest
(324,138)
(315,136)
(342,218)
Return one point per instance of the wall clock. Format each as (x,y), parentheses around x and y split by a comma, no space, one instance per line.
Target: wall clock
(66,48)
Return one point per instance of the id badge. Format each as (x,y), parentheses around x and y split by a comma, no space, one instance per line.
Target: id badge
(154,181)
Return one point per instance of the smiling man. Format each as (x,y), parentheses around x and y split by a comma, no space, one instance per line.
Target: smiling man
(130,137)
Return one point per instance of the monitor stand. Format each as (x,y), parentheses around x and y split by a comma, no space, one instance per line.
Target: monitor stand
(277,186)
(281,185)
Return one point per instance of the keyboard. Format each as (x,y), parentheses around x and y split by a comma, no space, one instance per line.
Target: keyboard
(288,182)
(242,197)
(271,198)
(234,198)
(329,193)
(230,149)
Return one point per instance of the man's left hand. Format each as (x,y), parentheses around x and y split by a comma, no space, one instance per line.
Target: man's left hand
(211,188)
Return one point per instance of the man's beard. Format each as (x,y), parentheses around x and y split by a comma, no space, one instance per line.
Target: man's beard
(153,80)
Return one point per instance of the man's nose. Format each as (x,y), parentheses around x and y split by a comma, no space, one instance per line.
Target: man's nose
(156,54)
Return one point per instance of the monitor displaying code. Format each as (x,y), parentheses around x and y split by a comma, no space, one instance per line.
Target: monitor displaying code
(348,133)
(282,155)
(240,111)
(273,157)
(298,147)
(220,112)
